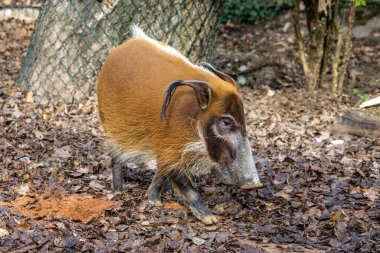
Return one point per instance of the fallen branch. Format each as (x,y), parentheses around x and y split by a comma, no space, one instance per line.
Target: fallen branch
(358,123)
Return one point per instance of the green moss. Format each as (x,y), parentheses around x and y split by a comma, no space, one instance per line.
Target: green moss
(252,10)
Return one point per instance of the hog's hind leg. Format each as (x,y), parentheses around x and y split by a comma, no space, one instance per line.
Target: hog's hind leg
(117,174)
(183,185)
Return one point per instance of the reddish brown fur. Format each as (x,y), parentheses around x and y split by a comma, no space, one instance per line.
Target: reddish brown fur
(131,89)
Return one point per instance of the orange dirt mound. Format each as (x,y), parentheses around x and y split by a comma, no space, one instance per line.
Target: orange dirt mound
(76,207)
(172,205)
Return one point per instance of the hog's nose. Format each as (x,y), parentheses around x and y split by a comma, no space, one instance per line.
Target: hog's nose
(252,183)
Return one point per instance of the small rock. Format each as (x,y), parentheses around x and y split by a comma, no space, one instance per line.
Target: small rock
(29,97)
(3,232)
(145,223)
(198,241)
(23,189)
(271,93)
(337,142)
(243,68)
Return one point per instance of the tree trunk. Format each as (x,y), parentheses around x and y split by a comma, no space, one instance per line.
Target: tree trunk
(338,37)
(299,37)
(72,39)
(347,46)
(316,25)
(326,20)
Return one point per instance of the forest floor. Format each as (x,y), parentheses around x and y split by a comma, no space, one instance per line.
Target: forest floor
(321,191)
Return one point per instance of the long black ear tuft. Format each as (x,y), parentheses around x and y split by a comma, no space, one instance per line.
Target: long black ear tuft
(221,75)
(201,89)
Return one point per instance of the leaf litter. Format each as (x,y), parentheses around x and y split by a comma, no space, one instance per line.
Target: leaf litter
(318,196)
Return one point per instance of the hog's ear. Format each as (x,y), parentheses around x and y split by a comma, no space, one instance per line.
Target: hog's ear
(219,74)
(201,89)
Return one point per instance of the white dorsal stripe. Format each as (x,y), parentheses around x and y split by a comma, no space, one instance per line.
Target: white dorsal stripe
(138,33)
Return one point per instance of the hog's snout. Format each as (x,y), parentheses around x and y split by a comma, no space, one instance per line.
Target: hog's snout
(251,183)
(242,170)
(245,168)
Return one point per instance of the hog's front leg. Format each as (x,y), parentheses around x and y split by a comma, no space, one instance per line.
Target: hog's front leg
(117,175)
(183,185)
(155,189)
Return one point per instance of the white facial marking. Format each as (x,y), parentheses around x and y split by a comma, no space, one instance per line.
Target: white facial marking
(234,140)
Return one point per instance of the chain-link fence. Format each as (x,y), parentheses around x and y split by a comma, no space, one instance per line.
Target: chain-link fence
(72,39)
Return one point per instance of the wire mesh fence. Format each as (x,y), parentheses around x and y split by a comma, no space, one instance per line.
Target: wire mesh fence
(72,39)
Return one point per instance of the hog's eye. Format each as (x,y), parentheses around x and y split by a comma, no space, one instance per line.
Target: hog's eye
(226,123)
